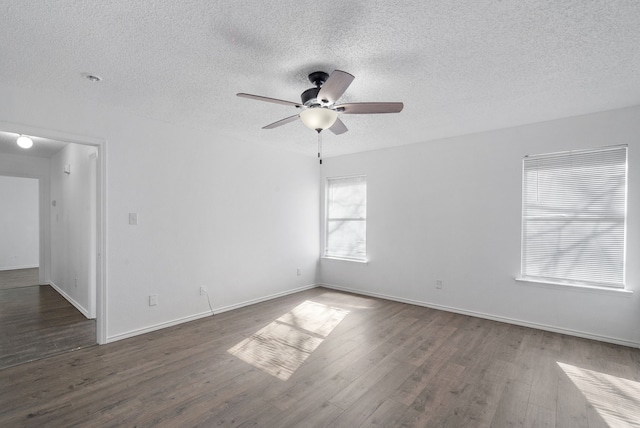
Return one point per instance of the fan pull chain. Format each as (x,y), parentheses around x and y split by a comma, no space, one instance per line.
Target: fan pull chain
(320,147)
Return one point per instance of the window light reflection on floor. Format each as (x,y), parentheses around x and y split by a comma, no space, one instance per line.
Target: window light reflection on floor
(617,400)
(281,347)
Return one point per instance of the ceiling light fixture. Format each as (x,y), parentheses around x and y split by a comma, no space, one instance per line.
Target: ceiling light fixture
(24,142)
(318,118)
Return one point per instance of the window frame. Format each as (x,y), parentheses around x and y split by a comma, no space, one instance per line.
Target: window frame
(327,219)
(565,281)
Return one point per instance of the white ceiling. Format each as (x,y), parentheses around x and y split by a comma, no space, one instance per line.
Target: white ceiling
(459,66)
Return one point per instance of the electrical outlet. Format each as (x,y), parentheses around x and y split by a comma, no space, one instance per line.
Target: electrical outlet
(438,284)
(299,271)
(203,291)
(153,299)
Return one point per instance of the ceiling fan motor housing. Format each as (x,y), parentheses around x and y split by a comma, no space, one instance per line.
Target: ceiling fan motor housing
(309,97)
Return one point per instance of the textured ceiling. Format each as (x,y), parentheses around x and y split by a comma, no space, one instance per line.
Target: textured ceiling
(459,66)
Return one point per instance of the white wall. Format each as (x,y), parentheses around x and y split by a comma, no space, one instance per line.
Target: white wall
(450,210)
(235,217)
(38,168)
(72,229)
(19,223)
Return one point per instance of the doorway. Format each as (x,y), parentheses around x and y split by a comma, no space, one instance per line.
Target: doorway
(71,236)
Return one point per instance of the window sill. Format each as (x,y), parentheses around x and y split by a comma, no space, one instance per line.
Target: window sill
(575,287)
(344,259)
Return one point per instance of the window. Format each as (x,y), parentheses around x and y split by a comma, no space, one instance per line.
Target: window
(573,217)
(346,225)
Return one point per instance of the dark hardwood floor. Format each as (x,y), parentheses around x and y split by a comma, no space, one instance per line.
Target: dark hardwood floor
(37,322)
(15,278)
(323,358)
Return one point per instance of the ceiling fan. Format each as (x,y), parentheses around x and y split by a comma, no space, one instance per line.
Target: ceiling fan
(319,110)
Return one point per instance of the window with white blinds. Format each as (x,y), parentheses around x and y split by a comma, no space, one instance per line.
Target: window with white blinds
(573,217)
(346,218)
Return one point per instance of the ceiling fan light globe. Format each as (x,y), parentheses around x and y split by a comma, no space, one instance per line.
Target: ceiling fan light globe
(24,142)
(316,118)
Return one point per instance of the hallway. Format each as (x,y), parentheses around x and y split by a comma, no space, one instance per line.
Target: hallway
(37,322)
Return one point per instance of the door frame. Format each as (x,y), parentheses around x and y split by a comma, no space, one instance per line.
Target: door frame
(101,212)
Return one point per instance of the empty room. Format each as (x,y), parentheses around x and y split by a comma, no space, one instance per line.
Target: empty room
(336,214)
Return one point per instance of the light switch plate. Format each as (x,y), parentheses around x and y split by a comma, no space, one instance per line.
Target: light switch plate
(133,219)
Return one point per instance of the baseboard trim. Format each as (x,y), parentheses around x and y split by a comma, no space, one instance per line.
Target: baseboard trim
(507,320)
(70,299)
(155,327)
(194,317)
(19,267)
(263,299)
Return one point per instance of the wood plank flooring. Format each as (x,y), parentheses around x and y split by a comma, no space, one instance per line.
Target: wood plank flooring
(385,364)
(37,322)
(15,278)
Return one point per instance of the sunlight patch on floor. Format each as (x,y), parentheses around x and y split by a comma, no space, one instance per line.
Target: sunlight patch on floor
(617,400)
(280,348)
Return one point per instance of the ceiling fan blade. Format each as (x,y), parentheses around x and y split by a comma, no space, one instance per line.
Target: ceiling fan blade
(281,122)
(269,100)
(369,108)
(338,127)
(334,87)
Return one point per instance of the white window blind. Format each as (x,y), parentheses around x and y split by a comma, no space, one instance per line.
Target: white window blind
(346,225)
(573,217)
